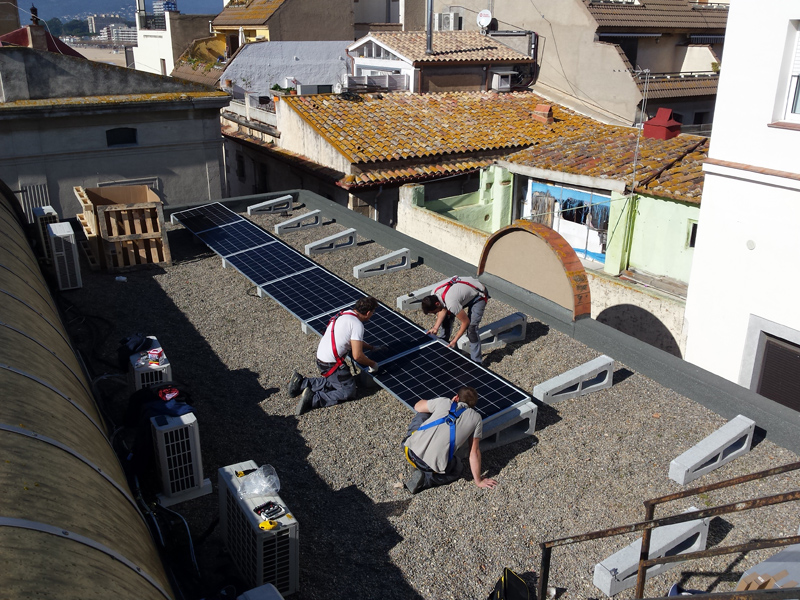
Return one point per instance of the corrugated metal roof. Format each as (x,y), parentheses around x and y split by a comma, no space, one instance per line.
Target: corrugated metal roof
(254,12)
(657,14)
(448,47)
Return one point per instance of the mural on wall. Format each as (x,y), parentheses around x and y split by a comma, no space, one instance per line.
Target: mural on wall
(580,217)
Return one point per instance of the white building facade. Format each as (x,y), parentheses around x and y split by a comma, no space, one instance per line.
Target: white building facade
(741,315)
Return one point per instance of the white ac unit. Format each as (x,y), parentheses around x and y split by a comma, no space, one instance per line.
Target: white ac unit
(446,21)
(42,217)
(176,441)
(64,249)
(142,374)
(501,80)
(261,556)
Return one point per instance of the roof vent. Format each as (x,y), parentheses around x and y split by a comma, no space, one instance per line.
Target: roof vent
(662,126)
(543,113)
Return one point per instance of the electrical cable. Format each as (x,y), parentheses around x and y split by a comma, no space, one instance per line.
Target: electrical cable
(188,533)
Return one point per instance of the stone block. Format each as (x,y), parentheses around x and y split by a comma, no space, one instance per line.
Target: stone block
(509,426)
(728,442)
(496,335)
(589,377)
(618,572)
(394,261)
(277,205)
(304,221)
(345,239)
(412,300)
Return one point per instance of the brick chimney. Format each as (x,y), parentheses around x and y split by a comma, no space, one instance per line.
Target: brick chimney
(543,113)
(37,37)
(662,126)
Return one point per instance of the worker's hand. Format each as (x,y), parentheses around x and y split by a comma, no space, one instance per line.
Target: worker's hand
(486,483)
(373,370)
(452,344)
(432,331)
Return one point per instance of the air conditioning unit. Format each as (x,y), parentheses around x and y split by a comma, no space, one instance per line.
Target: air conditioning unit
(501,80)
(446,21)
(176,441)
(64,249)
(261,556)
(143,374)
(42,217)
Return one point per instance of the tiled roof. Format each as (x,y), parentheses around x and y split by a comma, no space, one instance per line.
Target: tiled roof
(448,46)
(21,37)
(683,180)
(657,14)
(680,87)
(398,126)
(110,100)
(254,12)
(401,175)
(199,62)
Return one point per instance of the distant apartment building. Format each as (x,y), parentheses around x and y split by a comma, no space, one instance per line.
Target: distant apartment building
(99,22)
(119,34)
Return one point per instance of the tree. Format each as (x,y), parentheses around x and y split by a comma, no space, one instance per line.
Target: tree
(54,26)
(75,27)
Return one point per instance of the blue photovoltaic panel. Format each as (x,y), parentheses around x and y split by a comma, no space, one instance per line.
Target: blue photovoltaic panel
(206,217)
(391,331)
(436,370)
(312,293)
(235,237)
(268,263)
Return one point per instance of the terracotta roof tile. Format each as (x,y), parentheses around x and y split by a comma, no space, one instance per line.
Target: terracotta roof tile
(680,86)
(252,12)
(683,180)
(657,14)
(448,46)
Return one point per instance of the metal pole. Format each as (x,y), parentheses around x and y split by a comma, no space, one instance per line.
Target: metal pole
(544,571)
(644,554)
(429,18)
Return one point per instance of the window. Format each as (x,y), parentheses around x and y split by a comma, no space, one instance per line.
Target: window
(121,136)
(791,112)
(240,166)
(778,377)
(324,89)
(692,234)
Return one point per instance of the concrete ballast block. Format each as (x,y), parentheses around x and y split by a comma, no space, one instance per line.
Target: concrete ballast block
(413,300)
(345,239)
(304,221)
(728,442)
(509,426)
(589,377)
(496,335)
(618,572)
(394,261)
(277,205)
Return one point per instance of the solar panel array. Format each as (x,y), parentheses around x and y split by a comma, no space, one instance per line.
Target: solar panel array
(413,365)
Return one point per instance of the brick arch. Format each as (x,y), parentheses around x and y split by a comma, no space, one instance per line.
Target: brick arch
(536,258)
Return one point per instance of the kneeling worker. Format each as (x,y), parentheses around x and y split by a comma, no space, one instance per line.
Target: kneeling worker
(462,298)
(440,427)
(344,335)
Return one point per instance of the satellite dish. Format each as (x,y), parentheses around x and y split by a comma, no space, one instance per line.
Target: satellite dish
(484,18)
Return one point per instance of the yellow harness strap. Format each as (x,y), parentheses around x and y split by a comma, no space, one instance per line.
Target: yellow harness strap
(408,458)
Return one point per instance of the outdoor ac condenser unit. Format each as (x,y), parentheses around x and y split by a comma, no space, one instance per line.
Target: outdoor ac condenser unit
(65,255)
(142,374)
(176,441)
(42,217)
(446,21)
(261,556)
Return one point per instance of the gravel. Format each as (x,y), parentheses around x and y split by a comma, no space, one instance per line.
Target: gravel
(590,465)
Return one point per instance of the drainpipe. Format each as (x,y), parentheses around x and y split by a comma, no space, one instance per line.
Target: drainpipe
(429,17)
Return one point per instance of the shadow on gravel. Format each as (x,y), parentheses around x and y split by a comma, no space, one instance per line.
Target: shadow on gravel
(718,530)
(759,435)
(497,459)
(546,415)
(533,332)
(337,527)
(621,375)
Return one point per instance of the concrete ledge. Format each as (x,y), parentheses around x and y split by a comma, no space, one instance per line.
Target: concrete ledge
(728,442)
(496,335)
(509,426)
(300,222)
(384,264)
(618,572)
(412,300)
(589,377)
(278,205)
(345,239)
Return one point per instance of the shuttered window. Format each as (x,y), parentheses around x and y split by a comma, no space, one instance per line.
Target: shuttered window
(780,372)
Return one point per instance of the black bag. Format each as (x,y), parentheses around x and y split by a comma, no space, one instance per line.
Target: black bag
(510,586)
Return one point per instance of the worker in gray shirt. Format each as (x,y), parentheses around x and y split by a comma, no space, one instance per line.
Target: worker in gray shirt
(440,427)
(462,298)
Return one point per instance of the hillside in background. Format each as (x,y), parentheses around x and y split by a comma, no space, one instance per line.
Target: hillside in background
(72,9)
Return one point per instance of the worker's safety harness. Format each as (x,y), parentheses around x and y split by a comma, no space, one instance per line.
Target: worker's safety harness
(482,293)
(332,325)
(450,419)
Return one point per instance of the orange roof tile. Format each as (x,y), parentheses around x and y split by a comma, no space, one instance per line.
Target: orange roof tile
(448,46)
(252,12)
(658,14)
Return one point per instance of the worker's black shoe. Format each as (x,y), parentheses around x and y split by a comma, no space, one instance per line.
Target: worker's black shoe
(294,384)
(305,402)
(416,482)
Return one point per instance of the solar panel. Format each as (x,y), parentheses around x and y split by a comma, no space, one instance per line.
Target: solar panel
(311,293)
(436,370)
(206,217)
(235,237)
(267,263)
(388,330)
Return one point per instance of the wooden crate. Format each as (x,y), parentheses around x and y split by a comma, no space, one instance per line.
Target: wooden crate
(124,227)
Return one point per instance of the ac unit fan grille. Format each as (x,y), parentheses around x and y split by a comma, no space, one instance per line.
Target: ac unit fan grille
(241,540)
(277,561)
(180,463)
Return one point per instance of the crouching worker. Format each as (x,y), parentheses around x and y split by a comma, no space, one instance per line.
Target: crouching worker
(344,335)
(440,427)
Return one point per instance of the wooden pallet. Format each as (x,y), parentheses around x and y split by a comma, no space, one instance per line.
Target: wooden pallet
(91,258)
(133,235)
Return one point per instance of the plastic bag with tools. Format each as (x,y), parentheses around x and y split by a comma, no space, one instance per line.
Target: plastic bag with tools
(261,482)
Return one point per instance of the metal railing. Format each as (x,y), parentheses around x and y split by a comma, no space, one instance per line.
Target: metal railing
(650,523)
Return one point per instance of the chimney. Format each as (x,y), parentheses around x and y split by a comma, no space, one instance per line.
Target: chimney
(37,37)
(34,15)
(543,113)
(662,126)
